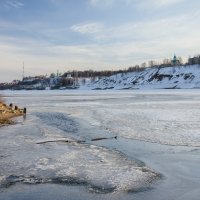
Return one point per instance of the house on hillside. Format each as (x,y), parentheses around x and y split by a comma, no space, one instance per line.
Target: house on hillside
(67,80)
(36,82)
(194,60)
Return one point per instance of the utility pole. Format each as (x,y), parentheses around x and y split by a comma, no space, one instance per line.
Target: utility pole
(23,72)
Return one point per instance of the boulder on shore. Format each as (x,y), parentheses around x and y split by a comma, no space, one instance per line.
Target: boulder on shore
(8,112)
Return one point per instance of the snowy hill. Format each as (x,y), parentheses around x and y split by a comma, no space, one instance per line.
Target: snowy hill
(153,78)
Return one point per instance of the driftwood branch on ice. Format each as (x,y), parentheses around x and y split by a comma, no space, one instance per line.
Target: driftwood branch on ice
(78,141)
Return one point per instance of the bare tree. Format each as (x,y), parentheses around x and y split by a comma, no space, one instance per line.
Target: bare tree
(180,60)
(143,65)
(167,61)
(151,63)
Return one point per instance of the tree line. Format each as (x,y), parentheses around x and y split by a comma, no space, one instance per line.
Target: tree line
(136,68)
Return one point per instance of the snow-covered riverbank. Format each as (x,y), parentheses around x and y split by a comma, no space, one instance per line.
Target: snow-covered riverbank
(177,77)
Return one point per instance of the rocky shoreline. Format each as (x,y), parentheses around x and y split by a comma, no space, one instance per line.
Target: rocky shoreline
(7,112)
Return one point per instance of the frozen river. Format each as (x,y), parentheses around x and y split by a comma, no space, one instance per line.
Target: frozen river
(155,156)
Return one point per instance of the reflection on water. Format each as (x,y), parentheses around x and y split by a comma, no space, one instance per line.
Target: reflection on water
(24,118)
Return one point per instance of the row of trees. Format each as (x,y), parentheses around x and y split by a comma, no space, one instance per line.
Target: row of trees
(86,73)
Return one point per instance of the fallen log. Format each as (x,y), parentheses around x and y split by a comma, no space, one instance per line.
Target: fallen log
(67,141)
(103,138)
(76,141)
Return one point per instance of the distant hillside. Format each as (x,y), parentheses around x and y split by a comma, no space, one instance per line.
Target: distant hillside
(176,77)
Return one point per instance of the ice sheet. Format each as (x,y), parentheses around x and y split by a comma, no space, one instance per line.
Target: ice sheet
(165,117)
(99,169)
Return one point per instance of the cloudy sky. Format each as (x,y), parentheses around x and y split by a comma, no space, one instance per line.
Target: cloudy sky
(51,35)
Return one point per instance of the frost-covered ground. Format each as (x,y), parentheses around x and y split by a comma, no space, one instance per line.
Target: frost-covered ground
(156,153)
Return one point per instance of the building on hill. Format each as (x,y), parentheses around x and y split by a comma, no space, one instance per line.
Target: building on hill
(67,79)
(194,60)
(175,61)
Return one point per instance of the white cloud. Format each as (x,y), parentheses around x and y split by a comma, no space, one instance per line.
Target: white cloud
(133,43)
(157,4)
(102,3)
(87,28)
(125,40)
(12,3)
(58,2)
(144,4)
(147,30)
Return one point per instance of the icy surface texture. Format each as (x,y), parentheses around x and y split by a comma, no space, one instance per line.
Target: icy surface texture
(99,169)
